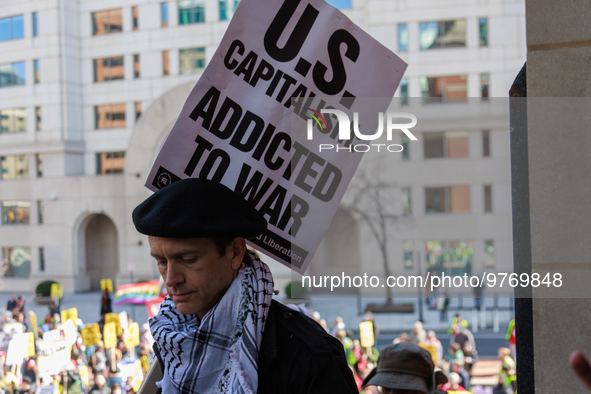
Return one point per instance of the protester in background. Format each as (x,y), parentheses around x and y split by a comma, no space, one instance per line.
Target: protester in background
(20,306)
(432,340)
(369,317)
(458,367)
(510,337)
(106,302)
(470,357)
(99,386)
(338,325)
(418,334)
(404,367)
(454,383)
(11,303)
(403,337)
(455,353)
(508,369)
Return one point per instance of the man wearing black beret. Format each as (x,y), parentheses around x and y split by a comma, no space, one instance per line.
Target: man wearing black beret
(219,330)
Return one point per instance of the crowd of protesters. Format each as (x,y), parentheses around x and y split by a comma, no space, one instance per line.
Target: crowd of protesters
(456,362)
(95,370)
(91,369)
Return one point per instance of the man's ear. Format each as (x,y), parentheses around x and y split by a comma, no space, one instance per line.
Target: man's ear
(237,253)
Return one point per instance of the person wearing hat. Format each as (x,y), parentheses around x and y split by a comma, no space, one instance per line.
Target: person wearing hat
(219,330)
(404,368)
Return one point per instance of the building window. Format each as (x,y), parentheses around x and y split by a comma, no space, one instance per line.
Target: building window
(405,142)
(39,164)
(138,110)
(404,91)
(340,4)
(452,199)
(37,77)
(165,66)
(134,17)
(402,37)
(109,116)
(447,144)
(442,34)
(485,143)
(488,198)
(110,163)
(13,120)
(483,31)
(14,167)
(11,28)
(35,24)
(15,212)
(409,250)
(447,89)
(38,119)
(136,66)
(12,74)
(41,259)
(108,69)
(484,81)
(489,254)
(191,60)
(16,262)
(227,8)
(449,257)
(191,11)
(406,200)
(164,14)
(106,22)
(40,211)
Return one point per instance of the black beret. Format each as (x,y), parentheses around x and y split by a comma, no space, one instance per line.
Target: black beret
(197,208)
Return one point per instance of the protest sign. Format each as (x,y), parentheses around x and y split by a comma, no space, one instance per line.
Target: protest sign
(52,336)
(116,319)
(31,345)
(277,59)
(107,284)
(13,328)
(34,326)
(366,334)
(91,334)
(431,349)
(71,313)
(57,290)
(83,371)
(17,349)
(70,333)
(47,390)
(133,336)
(54,363)
(110,335)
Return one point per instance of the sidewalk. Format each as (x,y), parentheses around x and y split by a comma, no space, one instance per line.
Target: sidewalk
(350,309)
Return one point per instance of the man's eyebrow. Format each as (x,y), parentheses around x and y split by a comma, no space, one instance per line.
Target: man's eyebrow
(180,252)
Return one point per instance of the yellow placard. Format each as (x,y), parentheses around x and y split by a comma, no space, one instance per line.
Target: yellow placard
(68,314)
(107,284)
(110,335)
(366,333)
(431,349)
(34,326)
(83,371)
(57,290)
(114,318)
(31,349)
(138,377)
(133,338)
(91,334)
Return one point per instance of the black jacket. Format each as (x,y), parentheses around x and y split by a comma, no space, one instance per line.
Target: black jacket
(298,357)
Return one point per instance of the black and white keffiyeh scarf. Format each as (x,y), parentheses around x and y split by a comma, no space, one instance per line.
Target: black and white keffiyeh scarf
(220,353)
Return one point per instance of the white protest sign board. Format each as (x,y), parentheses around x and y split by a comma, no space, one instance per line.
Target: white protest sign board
(52,336)
(70,333)
(54,363)
(17,349)
(47,390)
(236,125)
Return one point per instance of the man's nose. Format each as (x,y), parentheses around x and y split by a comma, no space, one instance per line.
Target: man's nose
(174,275)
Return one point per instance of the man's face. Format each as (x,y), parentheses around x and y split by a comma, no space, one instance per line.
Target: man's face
(195,275)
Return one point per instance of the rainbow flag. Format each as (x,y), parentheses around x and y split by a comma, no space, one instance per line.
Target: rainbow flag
(137,293)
